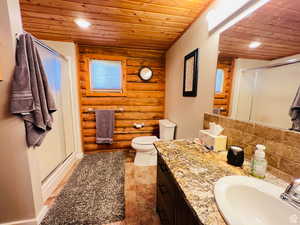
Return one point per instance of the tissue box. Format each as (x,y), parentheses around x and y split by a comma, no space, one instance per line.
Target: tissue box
(212,142)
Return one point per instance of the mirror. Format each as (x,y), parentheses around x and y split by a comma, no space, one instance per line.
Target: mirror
(258,72)
(190,74)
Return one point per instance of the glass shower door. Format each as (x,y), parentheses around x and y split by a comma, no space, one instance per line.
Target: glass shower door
(275,90)
(265,95)
(246,91)
(52,152)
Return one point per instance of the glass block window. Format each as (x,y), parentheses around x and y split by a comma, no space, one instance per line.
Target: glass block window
(219,81)
(106,75)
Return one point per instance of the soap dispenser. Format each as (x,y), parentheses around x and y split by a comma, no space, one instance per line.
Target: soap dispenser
(259,163)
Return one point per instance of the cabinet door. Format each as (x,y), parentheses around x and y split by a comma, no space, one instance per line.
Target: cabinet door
(165,194)
(171,204)
(165,218)
(184,215)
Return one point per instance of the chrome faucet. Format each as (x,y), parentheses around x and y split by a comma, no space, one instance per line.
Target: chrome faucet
(292,193)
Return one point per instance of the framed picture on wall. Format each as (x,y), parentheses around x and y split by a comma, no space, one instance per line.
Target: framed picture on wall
(1,74)
(190,76)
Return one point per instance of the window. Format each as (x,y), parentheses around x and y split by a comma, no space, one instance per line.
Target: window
(106,76)
(219,81)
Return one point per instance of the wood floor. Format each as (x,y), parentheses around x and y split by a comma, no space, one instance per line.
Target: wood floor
(140,194)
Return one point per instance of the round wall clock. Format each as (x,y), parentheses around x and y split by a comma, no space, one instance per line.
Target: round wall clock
(145,73)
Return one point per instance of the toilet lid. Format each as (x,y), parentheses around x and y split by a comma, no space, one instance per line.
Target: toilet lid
(145,140)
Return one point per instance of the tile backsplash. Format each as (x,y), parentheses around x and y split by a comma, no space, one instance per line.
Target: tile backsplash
(283,146)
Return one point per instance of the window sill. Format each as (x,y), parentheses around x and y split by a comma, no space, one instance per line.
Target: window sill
(105,94)
(220,95)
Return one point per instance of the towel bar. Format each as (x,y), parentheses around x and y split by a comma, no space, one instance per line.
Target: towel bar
(93,110)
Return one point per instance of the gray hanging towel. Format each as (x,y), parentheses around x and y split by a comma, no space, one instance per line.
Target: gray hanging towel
(295,112)
(105,124)
(31,98)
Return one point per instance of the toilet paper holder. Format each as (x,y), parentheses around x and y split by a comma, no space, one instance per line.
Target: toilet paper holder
(138,125)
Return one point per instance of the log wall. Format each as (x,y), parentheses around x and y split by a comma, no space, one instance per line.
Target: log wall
(143,102)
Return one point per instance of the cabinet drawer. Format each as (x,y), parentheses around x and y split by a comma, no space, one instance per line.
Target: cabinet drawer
(162,165)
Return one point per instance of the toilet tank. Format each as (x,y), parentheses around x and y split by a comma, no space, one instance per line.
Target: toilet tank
(166,129)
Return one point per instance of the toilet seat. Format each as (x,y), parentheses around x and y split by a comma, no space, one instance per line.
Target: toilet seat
(144,143)
(146,154)
(144,140)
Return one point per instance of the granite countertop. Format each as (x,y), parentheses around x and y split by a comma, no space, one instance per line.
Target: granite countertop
(196,171)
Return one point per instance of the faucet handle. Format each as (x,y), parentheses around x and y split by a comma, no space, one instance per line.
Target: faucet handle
(294,190)
(293,185)
(292,193)
(296,181)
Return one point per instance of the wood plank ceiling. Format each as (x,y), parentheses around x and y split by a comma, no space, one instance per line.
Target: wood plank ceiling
(149,24)
(276,25)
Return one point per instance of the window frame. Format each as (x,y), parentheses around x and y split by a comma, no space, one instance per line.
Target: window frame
(223,93)
(223,81)
(90,91)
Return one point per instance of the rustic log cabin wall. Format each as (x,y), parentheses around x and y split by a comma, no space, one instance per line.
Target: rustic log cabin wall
(143,101)
(222,100)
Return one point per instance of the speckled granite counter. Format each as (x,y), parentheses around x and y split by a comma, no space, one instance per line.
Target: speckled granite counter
(196,172)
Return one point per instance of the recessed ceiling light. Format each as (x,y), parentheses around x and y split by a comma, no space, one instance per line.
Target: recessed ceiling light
(291,60)
(82,23)
(255,44)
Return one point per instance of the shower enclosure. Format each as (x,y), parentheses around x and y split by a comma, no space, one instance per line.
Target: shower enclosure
(59,143)
(266,94)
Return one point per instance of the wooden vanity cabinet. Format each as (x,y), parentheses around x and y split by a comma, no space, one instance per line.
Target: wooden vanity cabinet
(172,206)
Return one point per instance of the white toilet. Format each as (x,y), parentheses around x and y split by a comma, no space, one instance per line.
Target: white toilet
(146,154)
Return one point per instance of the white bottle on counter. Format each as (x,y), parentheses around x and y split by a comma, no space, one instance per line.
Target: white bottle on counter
(259,163)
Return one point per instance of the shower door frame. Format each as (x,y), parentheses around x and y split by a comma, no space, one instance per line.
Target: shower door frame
(50,182)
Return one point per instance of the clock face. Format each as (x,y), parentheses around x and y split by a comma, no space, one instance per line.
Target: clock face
(146,73)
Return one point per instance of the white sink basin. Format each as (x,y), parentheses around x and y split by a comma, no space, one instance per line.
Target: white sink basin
(249,201)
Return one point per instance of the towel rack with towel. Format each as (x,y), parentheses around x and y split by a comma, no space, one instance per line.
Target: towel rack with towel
(94,110)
